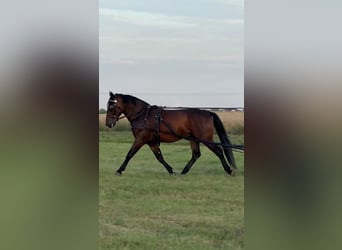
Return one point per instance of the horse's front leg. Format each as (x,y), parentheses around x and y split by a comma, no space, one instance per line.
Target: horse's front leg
(158,154)
(135,148)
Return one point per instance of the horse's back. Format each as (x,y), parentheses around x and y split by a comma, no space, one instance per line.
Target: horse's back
(188,122)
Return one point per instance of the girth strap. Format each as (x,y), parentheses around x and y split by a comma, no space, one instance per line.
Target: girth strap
(159,118)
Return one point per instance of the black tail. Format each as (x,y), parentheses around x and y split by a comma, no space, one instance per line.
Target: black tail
(224,139)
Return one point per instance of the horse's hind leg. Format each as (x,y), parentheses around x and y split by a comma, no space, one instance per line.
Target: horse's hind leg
(196,153)
(156,150)
(219,153)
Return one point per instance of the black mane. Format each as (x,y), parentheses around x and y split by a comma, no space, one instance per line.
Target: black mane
(131,99)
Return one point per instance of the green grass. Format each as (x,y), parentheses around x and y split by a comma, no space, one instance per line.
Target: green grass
(146,208)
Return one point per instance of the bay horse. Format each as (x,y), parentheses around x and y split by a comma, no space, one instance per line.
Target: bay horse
(153,124)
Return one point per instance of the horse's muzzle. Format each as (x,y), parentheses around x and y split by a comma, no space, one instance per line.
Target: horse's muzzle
(110,124)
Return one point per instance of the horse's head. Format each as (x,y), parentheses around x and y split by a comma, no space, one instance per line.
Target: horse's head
(114,110)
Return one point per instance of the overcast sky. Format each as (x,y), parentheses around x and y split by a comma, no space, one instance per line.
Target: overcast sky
(173,52)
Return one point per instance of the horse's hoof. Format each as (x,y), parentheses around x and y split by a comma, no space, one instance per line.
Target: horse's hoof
(233,173)
(173,173)
(118,173)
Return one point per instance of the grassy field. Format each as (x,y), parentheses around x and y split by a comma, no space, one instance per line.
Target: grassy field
(146,208)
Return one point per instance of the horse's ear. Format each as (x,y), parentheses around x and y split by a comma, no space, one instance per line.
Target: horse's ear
(111,94)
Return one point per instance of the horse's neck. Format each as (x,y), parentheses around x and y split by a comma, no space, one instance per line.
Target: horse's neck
(132,110)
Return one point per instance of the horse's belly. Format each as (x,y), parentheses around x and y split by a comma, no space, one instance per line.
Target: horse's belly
(168,138)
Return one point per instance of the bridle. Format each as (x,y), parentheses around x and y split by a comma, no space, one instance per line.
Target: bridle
(128,115)
(115,107)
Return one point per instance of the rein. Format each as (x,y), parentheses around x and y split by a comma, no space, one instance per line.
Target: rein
(136,113)
(234,147)
(237,148)
(128,115)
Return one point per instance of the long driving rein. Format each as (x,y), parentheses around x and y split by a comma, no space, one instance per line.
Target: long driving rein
(128,115)
(159,119)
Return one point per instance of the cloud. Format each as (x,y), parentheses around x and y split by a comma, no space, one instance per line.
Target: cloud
(213,60)
(160,20)
(230,2)
(146,19)
(160,38)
